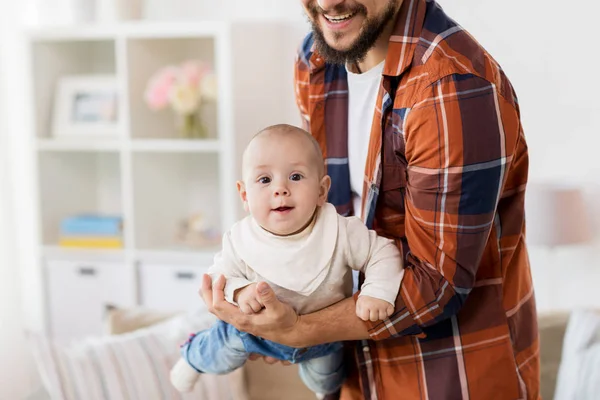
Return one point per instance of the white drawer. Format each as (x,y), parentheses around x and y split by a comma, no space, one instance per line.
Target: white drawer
(166,287)
(79,291)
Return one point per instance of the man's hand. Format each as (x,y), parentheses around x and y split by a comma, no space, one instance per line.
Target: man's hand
(371,309)
(247,299)
(276,322)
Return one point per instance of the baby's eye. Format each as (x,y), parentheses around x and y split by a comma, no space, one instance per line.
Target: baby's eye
(264,180)
(296,177)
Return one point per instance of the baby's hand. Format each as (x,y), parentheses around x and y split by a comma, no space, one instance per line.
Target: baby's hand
(247,299)
(372,309)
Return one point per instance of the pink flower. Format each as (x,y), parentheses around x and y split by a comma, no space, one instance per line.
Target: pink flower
(159,88)
(182,87)
(193,72)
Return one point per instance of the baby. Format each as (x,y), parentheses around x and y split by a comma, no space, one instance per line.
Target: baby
(296,242)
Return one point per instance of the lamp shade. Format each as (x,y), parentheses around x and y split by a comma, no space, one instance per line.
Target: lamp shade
(556,215)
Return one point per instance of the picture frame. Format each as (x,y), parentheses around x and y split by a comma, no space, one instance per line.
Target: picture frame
(86,106)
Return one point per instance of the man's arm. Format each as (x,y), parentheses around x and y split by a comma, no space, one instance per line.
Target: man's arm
(279,322)
(332,324)
(461,136)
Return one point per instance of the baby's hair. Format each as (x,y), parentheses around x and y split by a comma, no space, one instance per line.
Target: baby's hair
(285,129)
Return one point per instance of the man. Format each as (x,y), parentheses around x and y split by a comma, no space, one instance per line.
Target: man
(444,175)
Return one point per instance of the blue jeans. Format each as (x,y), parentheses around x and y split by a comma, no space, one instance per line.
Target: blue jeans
(223,348)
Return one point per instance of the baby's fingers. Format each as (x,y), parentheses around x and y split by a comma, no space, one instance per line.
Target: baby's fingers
(245,308)
(389,311)
(383,313)
(254,305)
(362,312)
(374,314)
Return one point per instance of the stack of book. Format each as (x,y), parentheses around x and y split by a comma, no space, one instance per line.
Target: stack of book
(92,231)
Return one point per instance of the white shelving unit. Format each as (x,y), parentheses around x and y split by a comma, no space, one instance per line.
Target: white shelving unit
(144,173)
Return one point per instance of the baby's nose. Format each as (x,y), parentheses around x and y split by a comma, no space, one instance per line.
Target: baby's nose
(281,191)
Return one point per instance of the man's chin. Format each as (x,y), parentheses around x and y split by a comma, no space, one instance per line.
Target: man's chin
(341,42)
(337,46)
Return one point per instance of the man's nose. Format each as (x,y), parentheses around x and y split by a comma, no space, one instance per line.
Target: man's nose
(328,5)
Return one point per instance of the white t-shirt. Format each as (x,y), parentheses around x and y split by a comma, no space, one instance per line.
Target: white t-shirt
(362,95)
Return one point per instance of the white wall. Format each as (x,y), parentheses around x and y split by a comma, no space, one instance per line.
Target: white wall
(17,375)
(13,356)
(224,9)
(15,361)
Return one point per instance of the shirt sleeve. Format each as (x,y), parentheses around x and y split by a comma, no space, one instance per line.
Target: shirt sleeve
(375,256)
(227,263)
(460,139)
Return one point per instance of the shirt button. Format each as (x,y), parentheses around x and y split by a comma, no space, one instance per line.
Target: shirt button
(365,349)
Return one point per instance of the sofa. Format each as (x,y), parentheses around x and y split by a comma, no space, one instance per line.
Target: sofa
(275,382)
(260,381)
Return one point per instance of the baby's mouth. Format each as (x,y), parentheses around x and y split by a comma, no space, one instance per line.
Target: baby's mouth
(282,209)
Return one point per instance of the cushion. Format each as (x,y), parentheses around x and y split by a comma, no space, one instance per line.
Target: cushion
(133,365)
(259,381)
(580,365)
(122,320)
(552,328)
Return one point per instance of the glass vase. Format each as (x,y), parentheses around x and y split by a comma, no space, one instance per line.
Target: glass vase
(191,126)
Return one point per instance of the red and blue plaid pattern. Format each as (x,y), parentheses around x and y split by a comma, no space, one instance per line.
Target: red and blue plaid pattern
(445,178)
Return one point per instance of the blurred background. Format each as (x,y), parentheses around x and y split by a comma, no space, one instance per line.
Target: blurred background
(121,128)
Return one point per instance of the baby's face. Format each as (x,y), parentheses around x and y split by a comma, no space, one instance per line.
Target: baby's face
(282,182)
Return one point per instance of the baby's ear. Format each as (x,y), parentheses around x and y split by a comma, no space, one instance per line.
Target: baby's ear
(241,187)
(324,187)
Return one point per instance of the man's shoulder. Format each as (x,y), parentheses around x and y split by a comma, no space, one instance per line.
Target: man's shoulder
(447,51)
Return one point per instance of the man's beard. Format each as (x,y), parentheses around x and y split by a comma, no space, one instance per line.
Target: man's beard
(366,39)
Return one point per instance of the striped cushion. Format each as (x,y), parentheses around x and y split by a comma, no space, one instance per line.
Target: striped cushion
(130,366)
(578,376)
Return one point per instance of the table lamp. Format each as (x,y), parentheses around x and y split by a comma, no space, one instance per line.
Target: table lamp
(556,215)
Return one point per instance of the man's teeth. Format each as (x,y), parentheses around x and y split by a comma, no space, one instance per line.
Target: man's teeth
(339,18)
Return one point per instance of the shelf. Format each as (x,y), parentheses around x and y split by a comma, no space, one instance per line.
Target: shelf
(140,145)
(133,30)
(168,189)
(176,146)
(200,257)
(146,56)
(64,253)
(78,145)
(194,257)
(51,61)
(72,183)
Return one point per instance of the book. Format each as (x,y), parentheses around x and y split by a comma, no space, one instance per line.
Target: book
(91,242)
(91,224)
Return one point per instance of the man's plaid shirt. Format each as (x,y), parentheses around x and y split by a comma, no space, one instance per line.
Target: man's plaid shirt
(445,177)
